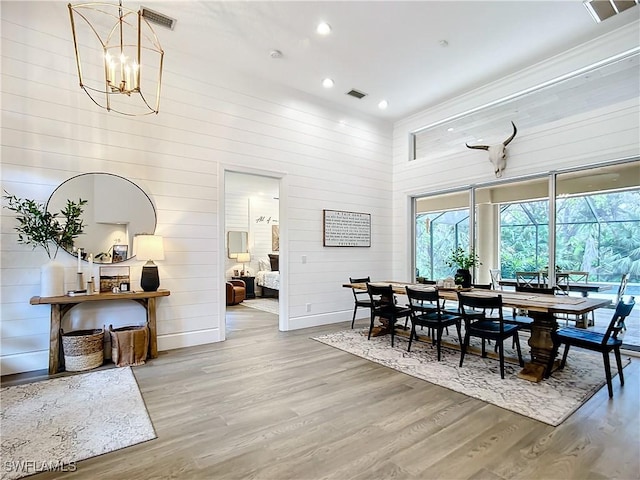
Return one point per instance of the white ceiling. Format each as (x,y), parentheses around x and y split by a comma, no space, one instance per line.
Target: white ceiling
(390,50)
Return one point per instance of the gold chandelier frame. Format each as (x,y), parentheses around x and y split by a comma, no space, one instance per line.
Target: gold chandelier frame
(123,35)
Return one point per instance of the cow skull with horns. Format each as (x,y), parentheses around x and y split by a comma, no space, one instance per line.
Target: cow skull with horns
(497,153)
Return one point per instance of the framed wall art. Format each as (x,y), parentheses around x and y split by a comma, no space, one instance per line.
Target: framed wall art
(346,229)
(120,253)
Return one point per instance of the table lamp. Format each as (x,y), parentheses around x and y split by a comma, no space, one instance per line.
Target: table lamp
(150,248)
(244,258)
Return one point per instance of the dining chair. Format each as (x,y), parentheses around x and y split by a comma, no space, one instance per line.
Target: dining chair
(426,311)
(383,305)
(486,328)
(528,278)
(496,277)
(594,341)
(622,288)
(360,297)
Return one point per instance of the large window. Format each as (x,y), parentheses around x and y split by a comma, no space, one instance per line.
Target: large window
(597,226)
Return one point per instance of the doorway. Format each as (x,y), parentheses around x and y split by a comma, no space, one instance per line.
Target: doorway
(252,253)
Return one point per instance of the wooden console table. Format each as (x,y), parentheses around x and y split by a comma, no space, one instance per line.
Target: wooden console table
(61,305)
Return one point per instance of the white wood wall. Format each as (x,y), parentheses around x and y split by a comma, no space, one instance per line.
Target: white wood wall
(209,120)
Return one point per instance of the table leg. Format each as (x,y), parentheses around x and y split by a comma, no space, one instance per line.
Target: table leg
(153,333)
(541,346)
(54,339)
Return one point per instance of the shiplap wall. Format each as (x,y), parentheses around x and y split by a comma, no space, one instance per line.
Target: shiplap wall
(209,120)
(602,135)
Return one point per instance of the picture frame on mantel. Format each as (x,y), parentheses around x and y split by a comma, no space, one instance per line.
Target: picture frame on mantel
(346,229)
(120,253)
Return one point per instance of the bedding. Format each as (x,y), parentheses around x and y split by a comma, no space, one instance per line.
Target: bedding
(268,279)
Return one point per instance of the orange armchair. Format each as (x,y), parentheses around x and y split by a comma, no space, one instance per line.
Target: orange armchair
(236,291)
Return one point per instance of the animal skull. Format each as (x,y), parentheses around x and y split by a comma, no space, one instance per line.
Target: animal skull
(497,153)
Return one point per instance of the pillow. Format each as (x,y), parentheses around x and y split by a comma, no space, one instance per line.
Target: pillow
(275,262)
(264,265)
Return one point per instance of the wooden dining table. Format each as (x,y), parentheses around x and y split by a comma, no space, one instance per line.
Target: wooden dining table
(541,308)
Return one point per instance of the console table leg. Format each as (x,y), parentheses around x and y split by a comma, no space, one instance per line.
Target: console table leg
(153,334)
(54,339)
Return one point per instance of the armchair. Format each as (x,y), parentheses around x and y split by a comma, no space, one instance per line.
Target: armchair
(236,291)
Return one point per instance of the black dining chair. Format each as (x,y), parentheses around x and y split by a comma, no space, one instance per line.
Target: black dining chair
(622,288)
(360,297)
(595,341)
(383,305)
(487,328)
(427,312)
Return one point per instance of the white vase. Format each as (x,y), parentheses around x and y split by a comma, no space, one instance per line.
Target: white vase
(52,279)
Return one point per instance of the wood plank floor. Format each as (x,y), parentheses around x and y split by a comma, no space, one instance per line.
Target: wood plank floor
(276,405)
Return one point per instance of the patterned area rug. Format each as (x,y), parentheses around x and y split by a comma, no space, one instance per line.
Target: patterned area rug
(550,401)
(53,424)
(265,304)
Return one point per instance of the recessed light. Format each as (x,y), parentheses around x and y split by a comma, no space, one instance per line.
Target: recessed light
(323,28)
(327,83)
(383,104)
(450,129)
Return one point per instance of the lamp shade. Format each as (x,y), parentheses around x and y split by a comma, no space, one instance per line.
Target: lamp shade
(148,247)
(244,257)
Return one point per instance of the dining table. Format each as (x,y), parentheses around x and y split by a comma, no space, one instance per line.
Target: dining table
(541,308)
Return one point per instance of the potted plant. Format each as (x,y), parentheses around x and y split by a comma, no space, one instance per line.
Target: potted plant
(464,261)
(40,228)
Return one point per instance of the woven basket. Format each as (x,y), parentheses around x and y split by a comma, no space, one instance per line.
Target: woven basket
(83,349)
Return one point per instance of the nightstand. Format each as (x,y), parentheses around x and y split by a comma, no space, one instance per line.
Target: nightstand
(250,283)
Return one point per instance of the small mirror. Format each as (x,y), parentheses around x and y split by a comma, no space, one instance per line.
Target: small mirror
(116,210)
(236,243)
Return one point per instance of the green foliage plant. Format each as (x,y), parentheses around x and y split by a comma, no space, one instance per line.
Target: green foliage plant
(40,228)
(461,259)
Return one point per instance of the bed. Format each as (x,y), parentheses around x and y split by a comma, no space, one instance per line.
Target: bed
(268,276)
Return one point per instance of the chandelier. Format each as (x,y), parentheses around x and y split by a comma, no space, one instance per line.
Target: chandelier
(118,56)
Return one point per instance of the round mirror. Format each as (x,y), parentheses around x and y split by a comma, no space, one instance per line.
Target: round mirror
(116,210)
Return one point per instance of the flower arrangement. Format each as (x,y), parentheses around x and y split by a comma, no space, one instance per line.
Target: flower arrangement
(463,260)
(39,227)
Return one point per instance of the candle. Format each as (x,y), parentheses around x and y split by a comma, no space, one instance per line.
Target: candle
(91,264)
(79,264)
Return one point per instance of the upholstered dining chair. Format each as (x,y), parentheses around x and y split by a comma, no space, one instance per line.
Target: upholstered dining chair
(427,312)
(484,327)
(383,305)
(595,341)
(360,297)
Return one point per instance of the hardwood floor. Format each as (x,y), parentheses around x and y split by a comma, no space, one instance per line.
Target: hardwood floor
(277,405)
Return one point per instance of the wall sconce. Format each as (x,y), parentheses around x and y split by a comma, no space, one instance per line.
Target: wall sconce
(150,248)
(113,71)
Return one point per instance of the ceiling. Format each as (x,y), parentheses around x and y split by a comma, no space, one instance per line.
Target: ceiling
(389,50)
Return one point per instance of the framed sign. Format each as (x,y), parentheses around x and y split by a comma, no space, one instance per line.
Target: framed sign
(346,229)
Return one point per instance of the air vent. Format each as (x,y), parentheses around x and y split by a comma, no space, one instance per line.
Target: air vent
(602,9)
(158,18)
(356,94)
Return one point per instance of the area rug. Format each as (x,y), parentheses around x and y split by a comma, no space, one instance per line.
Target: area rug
(550,401)
(52,424)
(265,304)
